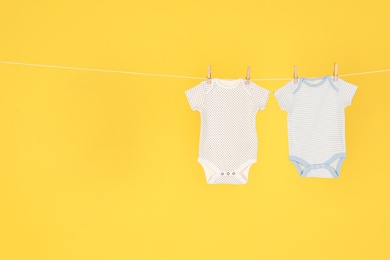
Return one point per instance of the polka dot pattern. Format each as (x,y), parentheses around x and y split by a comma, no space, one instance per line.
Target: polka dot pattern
(228,136)
(227,180)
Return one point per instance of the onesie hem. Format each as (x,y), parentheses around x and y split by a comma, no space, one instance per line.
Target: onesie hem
(307,168)
(216,176)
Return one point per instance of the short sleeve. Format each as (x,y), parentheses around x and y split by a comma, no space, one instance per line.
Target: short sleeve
(196,95)
(259,96)
(284,96)
(346,91)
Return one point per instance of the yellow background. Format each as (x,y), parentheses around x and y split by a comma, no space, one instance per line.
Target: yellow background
(103,166)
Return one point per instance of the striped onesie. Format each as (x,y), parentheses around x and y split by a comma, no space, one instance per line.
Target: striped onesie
(228,138)
(316,123)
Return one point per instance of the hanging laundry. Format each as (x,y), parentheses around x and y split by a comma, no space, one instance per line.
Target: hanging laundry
(316,123)
(228,137)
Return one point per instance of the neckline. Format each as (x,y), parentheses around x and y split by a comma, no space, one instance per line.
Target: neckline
(306,81)
(232,83)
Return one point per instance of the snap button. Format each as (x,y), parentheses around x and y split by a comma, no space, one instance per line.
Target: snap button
(221,173)
(228,173)
(233,173)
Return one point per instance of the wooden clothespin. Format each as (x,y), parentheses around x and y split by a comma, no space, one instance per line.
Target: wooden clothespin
(209,75)
(335,72)
(295,74)
(248,76)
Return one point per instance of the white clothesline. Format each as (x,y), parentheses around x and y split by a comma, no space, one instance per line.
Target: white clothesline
(166,75)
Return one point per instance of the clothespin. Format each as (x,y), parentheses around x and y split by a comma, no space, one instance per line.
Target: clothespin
(248,76)
(295,74)
(335,72)
(209,75)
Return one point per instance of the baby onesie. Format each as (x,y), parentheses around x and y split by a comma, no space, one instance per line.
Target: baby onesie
(228,137)
(316,123)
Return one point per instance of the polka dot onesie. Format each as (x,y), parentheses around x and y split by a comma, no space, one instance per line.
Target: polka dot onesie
(228,137)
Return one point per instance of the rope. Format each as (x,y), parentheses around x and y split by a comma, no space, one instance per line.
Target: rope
(165,75)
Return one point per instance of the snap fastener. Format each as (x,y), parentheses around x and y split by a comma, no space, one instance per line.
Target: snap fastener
(221,173)
(228,173)
(233,173)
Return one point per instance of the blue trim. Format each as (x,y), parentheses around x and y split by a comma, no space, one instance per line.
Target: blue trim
(307,82)
(341,158)
(305,170)
(297,166)
(299,86)
(296,160)
(332,84)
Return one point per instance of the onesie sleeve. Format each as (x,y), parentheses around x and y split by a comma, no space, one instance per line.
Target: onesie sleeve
(346,91)
(284,96)
(259,96)
(196,95)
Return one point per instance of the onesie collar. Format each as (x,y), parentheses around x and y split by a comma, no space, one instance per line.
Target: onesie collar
(227,83)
